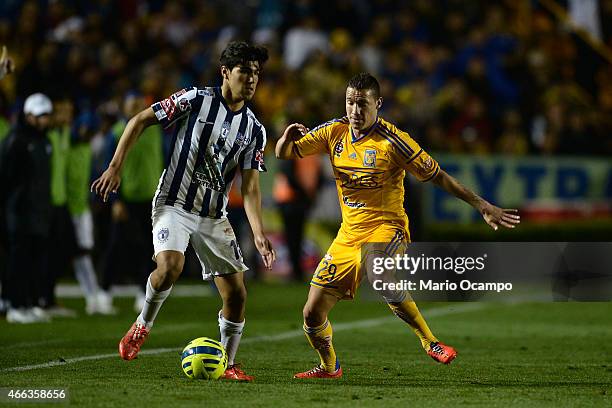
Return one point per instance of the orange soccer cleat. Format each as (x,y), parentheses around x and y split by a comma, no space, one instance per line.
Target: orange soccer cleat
(234,372)
(130,344)
(442,353)
(319,372)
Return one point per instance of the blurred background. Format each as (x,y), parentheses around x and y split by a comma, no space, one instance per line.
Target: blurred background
(513,97)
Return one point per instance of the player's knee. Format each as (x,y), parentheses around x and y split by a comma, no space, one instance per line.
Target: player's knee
(236,295)
(312,316)
(169,268)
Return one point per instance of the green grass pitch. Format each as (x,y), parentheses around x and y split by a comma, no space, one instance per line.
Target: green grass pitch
(520,354)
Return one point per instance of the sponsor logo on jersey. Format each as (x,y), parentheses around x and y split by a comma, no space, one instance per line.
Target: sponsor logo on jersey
(369,158)
(168,106)
(259,157)
(360,181)
(352,204)
(242,139)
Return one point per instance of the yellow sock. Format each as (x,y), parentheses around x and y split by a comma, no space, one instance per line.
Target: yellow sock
(409,312)
(320,338)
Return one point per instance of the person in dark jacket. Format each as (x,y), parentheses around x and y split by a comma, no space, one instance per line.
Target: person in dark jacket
(26,200)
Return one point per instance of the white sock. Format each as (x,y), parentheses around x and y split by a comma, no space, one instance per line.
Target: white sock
(231,333)
(86,275)
(153,302)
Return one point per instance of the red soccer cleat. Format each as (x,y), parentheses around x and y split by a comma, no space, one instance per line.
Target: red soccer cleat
(235,373)
(130,344)
(442,353)
(319,372)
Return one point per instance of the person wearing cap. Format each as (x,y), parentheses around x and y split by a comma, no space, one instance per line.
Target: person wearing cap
(24,173)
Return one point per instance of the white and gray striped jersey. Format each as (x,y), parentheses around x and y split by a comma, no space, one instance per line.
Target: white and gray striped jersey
(209,142)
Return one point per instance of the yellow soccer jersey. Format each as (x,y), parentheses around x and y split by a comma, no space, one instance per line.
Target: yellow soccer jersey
(369,171)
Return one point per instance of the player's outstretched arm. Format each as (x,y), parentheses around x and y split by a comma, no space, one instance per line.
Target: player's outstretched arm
(111,178)
(251,195)
(284,145)
(494,216)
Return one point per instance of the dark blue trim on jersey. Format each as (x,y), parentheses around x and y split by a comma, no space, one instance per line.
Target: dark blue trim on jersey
(229,176)
(415,156)
(241,129)
(182,163)
(219,145)
(206,203)
(435,173)
(175,132)
(404,153)
(219,206)
(367,132)
(202,145)
(323,286)
(343,119)
(398,139)
(395,142)
(219,95)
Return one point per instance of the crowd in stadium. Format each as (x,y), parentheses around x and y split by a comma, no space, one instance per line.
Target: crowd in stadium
(478,78)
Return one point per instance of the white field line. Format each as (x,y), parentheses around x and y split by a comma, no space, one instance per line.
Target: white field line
(74,291)
(357,324)
(166,328)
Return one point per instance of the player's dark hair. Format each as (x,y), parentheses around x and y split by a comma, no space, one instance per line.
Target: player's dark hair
(365,81)
(241,52)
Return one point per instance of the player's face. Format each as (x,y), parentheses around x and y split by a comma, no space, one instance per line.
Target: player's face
(361,108)
(243,80)
(41,122)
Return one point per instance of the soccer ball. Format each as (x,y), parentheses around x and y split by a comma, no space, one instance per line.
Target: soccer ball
(204,358)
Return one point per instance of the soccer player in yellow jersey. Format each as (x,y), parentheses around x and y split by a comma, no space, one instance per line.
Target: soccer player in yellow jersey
(370,157)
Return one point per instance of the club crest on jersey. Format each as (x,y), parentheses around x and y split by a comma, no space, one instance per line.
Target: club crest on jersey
(369,158)
(163,234)
(338,149)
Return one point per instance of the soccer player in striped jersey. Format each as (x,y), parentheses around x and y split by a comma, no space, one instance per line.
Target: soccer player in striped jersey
(213,134)
(369,157)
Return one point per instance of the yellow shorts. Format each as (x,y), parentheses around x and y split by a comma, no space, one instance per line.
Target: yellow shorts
(339,272)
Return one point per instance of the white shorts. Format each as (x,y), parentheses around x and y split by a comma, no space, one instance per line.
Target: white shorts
(212,239)
(83,230)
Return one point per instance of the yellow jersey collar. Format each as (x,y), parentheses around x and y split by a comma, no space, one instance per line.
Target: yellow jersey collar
(354,138)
